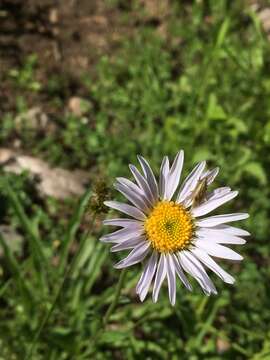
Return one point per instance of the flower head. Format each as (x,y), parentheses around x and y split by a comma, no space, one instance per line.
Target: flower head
(171,237)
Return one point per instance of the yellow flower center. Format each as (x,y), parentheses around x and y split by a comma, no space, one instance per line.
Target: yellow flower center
(169,227)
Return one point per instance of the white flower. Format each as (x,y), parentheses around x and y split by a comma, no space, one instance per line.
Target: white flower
(171,235)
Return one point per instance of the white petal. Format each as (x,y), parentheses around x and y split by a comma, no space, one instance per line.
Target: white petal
(133,197)
(171,279)
(180,272)
(212,204)
(190,182)
(221,219)
(135,256)
(164,171)
(133,187)
(217,250)
(174,175)
(210,175)
(218,192)
(160,276)
(231,230)
(143,184)
(211,264)
(205,278)
(219,236)
(122,234)
(126,209)
(128,244)
(195,269)
(150,177)
(146,278)
(123,222)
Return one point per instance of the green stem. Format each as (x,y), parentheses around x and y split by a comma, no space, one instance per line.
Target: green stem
(68,273)
(116,298)
(80,251)
(73,227)
(110,310)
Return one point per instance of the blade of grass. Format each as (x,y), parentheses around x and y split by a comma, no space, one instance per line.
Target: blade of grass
(96,261)
(207,324)
(241,350)
(35,241)
(76,265)
(14,268)
(110,310)
(94,269)
(4,287)
(107,295)
(68,274)
(36,247)
(73,227)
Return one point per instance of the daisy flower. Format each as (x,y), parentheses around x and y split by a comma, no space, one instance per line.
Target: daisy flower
(169,234)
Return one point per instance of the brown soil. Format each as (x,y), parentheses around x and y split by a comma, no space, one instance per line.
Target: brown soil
(68,36)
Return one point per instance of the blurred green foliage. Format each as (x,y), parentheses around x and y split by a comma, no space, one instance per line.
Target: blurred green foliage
(205,89)
(24,77)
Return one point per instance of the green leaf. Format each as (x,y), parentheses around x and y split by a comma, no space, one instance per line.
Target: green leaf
(113,336)
(223,32)
(202,153)
(214,110)
(257,58)
(256,170)
(239,125)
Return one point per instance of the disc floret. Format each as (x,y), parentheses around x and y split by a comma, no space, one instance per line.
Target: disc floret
(169,227)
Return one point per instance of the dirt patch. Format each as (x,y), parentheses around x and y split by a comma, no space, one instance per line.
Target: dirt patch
(68,36)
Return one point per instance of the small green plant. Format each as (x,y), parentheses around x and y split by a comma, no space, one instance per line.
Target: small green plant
(24,77)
